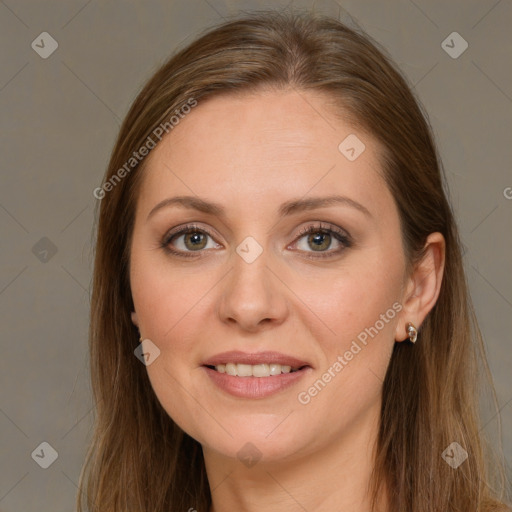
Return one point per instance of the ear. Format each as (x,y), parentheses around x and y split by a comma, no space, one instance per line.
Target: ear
(422,286)
(134,319)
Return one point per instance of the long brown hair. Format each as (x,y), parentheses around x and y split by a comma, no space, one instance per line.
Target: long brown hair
(139,458)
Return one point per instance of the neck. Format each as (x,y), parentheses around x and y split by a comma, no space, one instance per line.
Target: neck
(336,477)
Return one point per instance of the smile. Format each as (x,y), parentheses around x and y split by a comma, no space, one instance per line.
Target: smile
(251,386)
(256,370)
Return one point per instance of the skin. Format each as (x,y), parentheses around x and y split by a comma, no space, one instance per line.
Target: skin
(250,154)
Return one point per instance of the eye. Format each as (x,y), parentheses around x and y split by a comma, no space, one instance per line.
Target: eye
(320,238)
(188,239)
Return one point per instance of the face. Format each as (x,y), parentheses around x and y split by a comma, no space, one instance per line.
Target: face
(255,263)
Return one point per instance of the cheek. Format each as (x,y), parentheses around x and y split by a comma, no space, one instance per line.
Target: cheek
(165,296)
(353,300)
(169,301)
(356,354)
(360,306)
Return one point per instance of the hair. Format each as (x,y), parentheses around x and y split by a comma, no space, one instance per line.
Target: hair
(139,459)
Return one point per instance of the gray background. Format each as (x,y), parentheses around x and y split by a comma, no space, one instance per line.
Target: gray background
(59,119)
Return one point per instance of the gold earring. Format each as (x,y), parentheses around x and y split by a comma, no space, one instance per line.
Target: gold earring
(412,332)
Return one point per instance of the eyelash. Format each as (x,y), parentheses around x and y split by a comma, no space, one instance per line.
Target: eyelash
(330,229)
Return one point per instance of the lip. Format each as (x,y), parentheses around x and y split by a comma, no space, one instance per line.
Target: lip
(255,387)
(268,357)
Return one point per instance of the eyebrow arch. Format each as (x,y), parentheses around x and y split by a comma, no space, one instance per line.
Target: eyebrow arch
(291,207)
(286,209)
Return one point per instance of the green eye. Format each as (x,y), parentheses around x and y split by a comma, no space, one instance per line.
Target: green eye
(319,241)
(194,240)
(188,239)
(191,240)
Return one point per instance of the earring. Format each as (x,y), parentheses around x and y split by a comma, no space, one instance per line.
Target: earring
(412,332)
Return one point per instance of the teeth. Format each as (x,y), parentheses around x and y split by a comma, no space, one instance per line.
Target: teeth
(261,370)
(275,369)
(231,369)
(244,370)
(257,370)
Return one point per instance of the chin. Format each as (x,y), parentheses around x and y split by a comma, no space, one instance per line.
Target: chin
(255,444)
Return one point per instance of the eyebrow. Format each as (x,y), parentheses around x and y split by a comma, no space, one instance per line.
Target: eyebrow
(286,209)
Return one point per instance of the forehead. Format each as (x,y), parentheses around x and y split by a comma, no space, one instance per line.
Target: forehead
(265,146)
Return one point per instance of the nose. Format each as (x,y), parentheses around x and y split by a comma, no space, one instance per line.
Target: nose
(253,297)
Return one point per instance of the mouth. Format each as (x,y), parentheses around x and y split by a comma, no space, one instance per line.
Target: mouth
(257,364)
(256,370)
(255,375)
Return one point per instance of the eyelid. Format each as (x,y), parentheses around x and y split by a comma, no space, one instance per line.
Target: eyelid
(180,231)
(341,235)
(183,229)
(324,226)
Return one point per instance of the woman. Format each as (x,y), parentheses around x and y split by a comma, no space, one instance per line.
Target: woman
(280,318)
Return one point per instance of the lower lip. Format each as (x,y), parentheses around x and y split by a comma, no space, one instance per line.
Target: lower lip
(255,387)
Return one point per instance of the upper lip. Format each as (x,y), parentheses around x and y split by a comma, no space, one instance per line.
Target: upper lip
(238,357)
